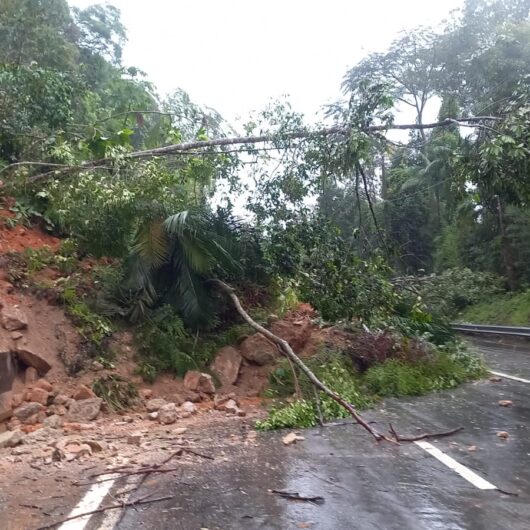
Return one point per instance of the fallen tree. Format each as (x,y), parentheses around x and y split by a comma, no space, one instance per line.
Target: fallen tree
(288,352)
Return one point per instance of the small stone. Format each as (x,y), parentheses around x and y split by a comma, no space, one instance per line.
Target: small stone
(83,392)
(96,445)
(30,375)
(505,403)
(199,382)
(188,407)
(17,400)
(155,404)
(38,395)
(54,422)
(167,414)
(152,415)
(61,410)
(61,399)
(97,366)
(84,410)
(45,385)
(231,408)
(13,318)
(146,393)
(495,379)
(134,438)
(27,410)
(179,431)
(503,435)
(127,419)
(41,416)
(472,448)
(292,438)
(16,335)
(11,438)
(219,401)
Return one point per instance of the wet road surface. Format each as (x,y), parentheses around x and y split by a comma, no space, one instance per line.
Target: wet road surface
(367,485)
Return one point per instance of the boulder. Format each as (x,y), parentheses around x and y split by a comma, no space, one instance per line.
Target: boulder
(10,438)
(84,410)
(17,400)
(199,382)
(258,350)
(31,358)
(38,395)
(83,392)
(13,318)
(27,410)
(226,365)
(61,399)
(168,414)
(155,404)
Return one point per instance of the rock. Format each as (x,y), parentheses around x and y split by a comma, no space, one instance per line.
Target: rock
(127,419)
(146,393)
(505,403)
(179,431)
(32,420)
(503,435)
(258,350)
(54,422)
(134,438)
(75,450)
(188,407)
(30,375)
(155,404)
(33,359)
(61,410)
(17,400)
(16,335)
(41,416)
(83,392)
(231,407)
(61,399)
(96,445)
(226,365)
(97,366)
(199,382)
(38,395)
(13,318)
(292,438)
(152,416)
(45,385)
(168,414)
(10,438)
(220,400)
(84,410)
(27,410)
(495,379)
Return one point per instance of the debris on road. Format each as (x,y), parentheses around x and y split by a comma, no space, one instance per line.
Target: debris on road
(505,403)
(503,435)
(292,438)
(295,496)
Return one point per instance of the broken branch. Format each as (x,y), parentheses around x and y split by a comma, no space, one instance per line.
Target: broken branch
(105,508)
(423,436)
(286,349)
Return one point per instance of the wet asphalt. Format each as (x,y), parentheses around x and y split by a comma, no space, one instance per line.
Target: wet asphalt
(368,485)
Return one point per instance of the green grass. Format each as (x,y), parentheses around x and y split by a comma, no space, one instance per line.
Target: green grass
(510,309)
(446,368)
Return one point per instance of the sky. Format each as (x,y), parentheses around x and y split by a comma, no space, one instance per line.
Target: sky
(235,55)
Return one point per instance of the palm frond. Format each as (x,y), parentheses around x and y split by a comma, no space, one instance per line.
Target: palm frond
(151,244)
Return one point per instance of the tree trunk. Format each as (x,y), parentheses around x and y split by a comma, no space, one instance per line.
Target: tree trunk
(506,249)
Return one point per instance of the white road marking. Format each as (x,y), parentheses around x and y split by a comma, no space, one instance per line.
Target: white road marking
(89,502)
(512,377)
(451,463)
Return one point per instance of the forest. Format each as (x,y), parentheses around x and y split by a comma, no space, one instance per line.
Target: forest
(390,229)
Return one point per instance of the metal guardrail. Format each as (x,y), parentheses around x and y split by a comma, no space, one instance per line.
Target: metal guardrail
(496,330)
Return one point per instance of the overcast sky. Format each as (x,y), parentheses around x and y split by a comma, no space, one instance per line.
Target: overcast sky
(234,55)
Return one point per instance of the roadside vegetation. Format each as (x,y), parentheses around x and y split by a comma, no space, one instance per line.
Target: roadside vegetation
(398,238)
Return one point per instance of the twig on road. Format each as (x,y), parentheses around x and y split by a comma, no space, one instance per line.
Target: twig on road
(423,436)
(105,508)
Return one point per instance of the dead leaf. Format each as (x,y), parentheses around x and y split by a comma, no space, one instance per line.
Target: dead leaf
(505,403)
(503,434)
(292,438)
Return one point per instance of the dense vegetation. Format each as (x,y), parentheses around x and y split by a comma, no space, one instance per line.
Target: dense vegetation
(397,231)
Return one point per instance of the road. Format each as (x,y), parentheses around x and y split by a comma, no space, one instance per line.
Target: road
(452,483)
(367,485)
